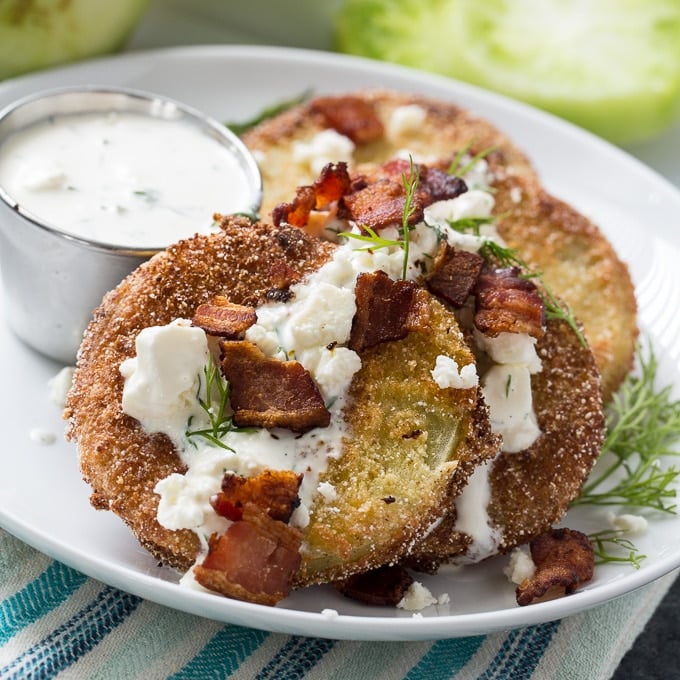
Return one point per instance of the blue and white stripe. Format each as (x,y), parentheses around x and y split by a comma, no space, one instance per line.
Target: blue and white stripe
(57,623)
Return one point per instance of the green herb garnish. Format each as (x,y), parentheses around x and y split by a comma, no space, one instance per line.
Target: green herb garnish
(554,307)
(458,168)
(643,424)
(268,112)
(469,225)
(374,241)
(610,546)
(216,406)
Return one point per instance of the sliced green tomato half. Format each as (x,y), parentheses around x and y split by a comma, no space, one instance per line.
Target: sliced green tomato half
(612,66)
(35,34)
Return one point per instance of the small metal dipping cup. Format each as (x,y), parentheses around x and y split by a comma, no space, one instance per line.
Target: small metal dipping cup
(53,280)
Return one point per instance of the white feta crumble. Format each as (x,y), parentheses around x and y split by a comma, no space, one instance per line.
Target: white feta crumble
(447,374)
(516,195)
(405,119)
(510,348)
(40,435)
(416,597)
(519,567)
(60,384)
(327,146)
(631,524)
(327,491)
(162,381)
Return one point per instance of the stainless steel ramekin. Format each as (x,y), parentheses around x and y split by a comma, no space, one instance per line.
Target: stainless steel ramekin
(54,280)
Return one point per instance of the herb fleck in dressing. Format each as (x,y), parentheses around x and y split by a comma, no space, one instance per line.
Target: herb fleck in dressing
(122,178)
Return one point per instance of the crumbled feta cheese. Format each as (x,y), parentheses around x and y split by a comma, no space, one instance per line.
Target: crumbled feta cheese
(631,524)
(327,490)
(447,374)
(510,348)
(42,436)
(405,119)
(161,382)
(519,567)
(60,384)
(416,597)
(324,315)
(327,146)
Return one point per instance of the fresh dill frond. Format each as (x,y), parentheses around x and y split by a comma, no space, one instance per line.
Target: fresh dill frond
(459,168)
(410,187)
(554,307)
(216,406)
(374,241)
(372,238)
(268,112)
(469,225)
(611,546)
(643,427)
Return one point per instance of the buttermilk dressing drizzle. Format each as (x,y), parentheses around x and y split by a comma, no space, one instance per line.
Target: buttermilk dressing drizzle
(162,382)
(122,178)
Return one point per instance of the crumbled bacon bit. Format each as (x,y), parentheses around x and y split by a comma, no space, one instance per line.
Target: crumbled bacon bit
(254,560)
(274,491)
(351,116)
(440,185)
(454,275)
(507,302)
(329,187)
(266,392)
(381,204)
(385,585)
(564,558)
(387,310)
(223,318)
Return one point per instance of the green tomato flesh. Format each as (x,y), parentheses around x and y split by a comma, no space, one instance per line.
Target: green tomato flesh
(36,34)
(612,66)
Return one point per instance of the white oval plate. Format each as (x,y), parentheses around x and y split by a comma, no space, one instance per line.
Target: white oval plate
(43,500)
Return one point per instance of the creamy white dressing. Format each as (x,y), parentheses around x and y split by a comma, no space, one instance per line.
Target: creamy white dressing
(122,178)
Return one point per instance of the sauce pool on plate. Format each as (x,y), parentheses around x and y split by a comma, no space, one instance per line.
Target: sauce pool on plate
(122,178)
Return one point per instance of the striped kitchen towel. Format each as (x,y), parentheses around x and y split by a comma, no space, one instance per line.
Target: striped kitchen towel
(56,622)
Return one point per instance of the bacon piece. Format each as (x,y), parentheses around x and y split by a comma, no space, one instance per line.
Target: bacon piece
(454,275)
(440,185)
(283,277)
(564,558)
(330,186)
(385,585)
(350,116)
(506,302)
(254,560)
(274,491)
(386,310)
(223,318)
(266,392)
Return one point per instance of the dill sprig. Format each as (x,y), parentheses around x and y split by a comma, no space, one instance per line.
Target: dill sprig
(643,425)
(216,406)
(554,307)
(611,546)
(372,238)
(374,241)
(459,168)
(268,112)
(469,225)
(410,187)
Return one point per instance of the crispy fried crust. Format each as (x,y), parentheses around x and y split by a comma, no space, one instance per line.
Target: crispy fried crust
(120,461)
(531,490)
(388,490)
(577,261)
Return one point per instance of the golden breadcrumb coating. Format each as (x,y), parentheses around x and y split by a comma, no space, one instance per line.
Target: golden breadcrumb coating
(576,260)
